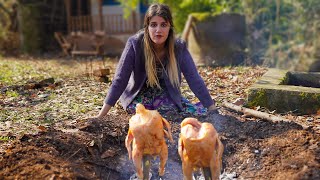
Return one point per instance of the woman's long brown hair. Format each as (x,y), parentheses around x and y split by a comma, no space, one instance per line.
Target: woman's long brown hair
(163,11)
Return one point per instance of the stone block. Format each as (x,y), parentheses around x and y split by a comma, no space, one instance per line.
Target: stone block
(274,91)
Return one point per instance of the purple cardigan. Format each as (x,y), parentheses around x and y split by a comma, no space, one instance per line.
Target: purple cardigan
(130,75)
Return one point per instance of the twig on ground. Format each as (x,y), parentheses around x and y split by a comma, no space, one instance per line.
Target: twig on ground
(258,114)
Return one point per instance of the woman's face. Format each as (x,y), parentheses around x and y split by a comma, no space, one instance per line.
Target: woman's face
(158,30)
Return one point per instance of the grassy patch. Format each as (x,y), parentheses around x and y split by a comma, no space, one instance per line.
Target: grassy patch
(76,96)
(13,94)
(5,138)
(17,73)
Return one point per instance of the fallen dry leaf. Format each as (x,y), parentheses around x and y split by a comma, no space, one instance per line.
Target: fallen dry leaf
(91,143)
(42,128)
(109,153)
(239,101)
(8,151)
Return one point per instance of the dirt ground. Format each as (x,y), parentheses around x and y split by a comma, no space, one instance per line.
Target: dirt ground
(95,150)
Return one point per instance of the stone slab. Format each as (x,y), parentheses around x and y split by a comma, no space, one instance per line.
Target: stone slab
(270,91)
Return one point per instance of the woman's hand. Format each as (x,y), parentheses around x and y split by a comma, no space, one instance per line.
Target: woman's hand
(104,111)
(92,120)
(213,109)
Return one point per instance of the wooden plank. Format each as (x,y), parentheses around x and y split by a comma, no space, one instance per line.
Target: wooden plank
(113,24)
(71,25)
(84,52)
(134,23)
(120,21)
(87,23)
(79,24)
(79,8)
(67,5)
(187,28)
(100,15)
(82,23)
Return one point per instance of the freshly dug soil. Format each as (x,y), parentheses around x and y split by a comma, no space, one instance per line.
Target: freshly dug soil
(95,150)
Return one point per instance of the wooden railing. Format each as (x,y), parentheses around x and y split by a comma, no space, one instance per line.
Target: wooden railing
(116,24)
(113,24)
(81,23)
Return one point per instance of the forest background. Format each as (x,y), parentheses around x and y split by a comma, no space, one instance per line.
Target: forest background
(280,33)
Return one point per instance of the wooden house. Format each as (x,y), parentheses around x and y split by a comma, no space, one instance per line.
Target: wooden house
(105,15)
(100,24)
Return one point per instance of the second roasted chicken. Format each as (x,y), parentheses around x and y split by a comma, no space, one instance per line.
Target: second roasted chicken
(200,147)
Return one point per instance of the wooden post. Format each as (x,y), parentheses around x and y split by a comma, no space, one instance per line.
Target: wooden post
(187,28)
(79,14)
(67,5)
(101,16)
(79,7)
(134,21)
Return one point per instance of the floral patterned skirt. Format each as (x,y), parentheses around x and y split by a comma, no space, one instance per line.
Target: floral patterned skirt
(159,99)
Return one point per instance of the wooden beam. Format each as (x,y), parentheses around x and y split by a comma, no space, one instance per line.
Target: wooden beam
(79,8)
(134,21)
(68,8)
(187,28)
(101,15)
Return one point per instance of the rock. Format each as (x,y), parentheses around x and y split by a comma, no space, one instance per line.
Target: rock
(274,92)
(305,79)
(315,66)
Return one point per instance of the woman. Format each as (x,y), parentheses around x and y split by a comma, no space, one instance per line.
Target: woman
(150,67)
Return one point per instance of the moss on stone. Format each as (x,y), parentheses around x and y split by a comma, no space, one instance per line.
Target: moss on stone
(259,98)
(310,97)
(304,95)
(273,91)
(309,102)
(285,80)
(316,97)
(200,17)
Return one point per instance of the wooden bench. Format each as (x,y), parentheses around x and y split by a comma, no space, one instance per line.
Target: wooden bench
(65,45)
(87,44)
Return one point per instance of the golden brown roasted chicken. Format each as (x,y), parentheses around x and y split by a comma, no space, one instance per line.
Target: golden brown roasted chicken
(200,147)
(147,135)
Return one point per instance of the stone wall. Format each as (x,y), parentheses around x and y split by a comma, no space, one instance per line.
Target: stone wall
(218,40)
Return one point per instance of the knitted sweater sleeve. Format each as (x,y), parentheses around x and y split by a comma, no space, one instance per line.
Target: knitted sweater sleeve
(122,74)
